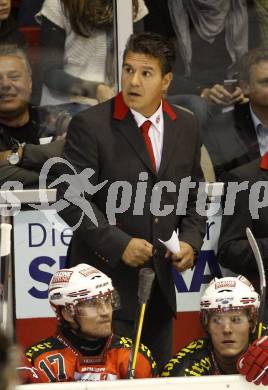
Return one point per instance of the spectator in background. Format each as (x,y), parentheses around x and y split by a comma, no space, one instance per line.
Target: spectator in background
(84,347)
(234,251)
(9,32)
(212,38)
(238,136)
(228,309)
(21,131)
(262,16)
(77,44)
(207,52)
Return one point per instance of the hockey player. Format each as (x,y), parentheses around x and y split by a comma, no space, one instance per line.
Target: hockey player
(85,348)
(228,314)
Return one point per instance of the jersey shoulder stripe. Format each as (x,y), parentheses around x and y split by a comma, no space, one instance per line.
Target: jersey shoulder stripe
(125,342)
(46,345)
(192,360)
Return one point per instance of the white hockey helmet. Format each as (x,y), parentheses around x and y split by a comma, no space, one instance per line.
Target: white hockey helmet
(229,293)
(81,283)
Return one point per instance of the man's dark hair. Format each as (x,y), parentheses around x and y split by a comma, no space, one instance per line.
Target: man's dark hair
(154,45)
(249,59)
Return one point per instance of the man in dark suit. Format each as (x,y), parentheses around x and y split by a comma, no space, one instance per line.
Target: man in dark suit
(236,137)
(231,139)
(141,175)
(251,211)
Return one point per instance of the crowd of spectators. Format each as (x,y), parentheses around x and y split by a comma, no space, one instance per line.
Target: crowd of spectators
(219,85)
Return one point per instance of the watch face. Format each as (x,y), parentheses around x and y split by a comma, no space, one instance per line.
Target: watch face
(13,158)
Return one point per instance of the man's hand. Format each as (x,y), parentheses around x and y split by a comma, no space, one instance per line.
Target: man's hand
(219,95)
(254,363)
(137,252)
(183,259)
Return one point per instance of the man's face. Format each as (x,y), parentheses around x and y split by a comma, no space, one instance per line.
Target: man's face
(4,9)
(229,333)
(95,317)
(257,86)
(143,84)
(15,86)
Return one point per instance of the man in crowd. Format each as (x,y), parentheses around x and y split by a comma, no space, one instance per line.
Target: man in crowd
(85,348)
(250,210)
(229,309)
(136,143)
(239,136)
(23,137)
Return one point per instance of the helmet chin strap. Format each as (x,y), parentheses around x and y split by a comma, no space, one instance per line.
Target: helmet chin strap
(78,329)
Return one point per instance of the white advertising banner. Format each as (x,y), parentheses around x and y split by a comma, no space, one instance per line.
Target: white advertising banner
(40,247)
(190,284)
(219,382)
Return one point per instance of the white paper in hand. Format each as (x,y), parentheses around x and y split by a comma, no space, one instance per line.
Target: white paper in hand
(173,244)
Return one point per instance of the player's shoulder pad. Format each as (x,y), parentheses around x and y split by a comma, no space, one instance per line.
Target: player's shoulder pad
(183,354)
(43,346)
(122,341)
(126,342)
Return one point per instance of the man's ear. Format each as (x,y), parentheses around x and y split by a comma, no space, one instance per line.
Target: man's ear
(67,315)
(168,77)
(244,85)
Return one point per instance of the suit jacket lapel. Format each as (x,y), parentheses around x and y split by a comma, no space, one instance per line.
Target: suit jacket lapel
(129,129)
(169,142)
(125,123)
(246,130)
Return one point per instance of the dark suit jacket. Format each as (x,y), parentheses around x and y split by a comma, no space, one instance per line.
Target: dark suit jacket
(234,250)
(231,139)
(106,138)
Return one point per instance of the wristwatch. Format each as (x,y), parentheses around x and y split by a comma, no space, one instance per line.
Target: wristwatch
(14,158)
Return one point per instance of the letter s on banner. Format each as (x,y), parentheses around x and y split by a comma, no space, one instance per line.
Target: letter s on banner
(40,276)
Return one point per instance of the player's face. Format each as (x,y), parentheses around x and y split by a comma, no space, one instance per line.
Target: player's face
(143,84)
(95,317)
(229,333)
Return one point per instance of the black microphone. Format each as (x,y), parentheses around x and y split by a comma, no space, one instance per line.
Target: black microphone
(146,278)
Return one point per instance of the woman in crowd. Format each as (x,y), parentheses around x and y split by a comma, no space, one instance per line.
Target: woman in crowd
(9,32)
(77,43)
